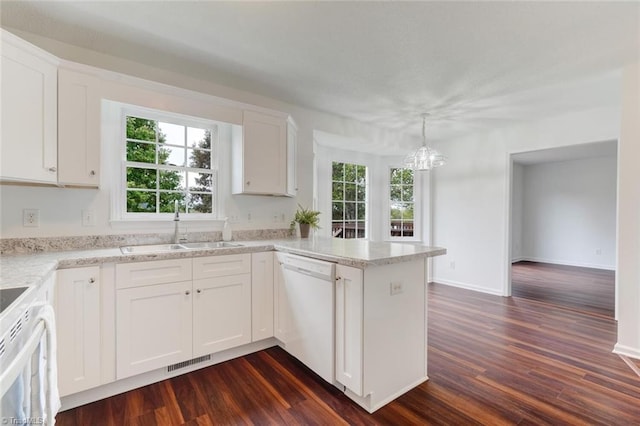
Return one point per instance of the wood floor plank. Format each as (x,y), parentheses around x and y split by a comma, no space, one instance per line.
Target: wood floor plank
(492,361)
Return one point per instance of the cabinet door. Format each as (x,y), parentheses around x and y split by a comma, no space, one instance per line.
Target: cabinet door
(153,327)
(264,154)
(261,295)
(28,144)
(221,313)
(349,327)
(78,129)
(78,329)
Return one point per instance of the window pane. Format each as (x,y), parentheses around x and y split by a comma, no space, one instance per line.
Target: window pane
(407,211)
(407,229)
(200,182)
(141,129)
(337,229)
(349,211)
(361,192)
(337,210)
(350,172)
(396,193)
(200,138)
(199,159)
(172,156)
(337,192)
(141,178)
(141,202)
(361,213)
(361,174)
(350,192)
(171,133)
(172,180)
(395,212)
(338,171)
(141,152)
(407,193)
(407,176)
(201,203)
(168,199)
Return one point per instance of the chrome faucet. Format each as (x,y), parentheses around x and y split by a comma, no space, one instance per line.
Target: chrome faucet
(176,221)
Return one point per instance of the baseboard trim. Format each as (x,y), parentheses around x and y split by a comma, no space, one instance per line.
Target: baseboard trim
(564,263)
(626,351)
(467,286)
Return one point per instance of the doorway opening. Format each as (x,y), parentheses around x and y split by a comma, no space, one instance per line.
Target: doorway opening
(562,226)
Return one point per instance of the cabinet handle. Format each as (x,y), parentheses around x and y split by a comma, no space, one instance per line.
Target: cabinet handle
(92,280)
(338,278)
(52,169)
(248,182)
(199,291)
(92,173)
(187,292)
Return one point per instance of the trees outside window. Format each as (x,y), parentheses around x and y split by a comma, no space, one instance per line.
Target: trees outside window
(349,200)
(401,202)
(168,163)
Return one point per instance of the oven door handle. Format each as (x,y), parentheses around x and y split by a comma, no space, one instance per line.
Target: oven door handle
(18,364)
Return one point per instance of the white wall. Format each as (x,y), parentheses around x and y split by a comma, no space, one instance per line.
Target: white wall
(628,268)
(517,211)
(569,212)
(471,213)
(60,209)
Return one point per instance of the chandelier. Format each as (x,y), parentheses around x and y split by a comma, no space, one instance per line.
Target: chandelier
(424,158)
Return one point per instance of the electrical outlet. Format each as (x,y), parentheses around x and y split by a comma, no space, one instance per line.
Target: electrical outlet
(88,217)
(31,218)
(249,217)
(598,252)
(396,288)
(452,264)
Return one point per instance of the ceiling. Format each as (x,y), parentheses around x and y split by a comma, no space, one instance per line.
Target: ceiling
(471,65)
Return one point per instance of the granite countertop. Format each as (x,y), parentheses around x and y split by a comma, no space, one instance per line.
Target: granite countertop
(32,269)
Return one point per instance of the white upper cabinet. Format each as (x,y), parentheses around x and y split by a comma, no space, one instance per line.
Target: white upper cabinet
(78,128)
(28,141)
(264,156)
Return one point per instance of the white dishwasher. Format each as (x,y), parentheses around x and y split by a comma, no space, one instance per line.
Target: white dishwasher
(306,294)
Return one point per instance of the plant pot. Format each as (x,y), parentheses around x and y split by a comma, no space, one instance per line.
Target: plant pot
(304,230)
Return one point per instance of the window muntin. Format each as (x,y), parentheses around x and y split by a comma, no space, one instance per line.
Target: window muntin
(348,200)
(168,162)
(401,202)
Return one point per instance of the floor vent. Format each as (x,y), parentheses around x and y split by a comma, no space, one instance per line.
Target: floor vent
(188,363)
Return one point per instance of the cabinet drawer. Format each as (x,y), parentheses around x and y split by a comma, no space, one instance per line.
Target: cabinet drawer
(220,266)
(155,272)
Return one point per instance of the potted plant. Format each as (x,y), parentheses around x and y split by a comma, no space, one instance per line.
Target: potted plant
(306,219)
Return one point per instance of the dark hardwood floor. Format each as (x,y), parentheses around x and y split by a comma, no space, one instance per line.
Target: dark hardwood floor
(492,361)
(585,289)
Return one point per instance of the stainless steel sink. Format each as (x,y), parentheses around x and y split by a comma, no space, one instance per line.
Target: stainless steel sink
(162,248)
(211,245)
(151,248)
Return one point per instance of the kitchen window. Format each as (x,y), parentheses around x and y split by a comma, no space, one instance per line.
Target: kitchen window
(168,161)
(349,200)
(401,203)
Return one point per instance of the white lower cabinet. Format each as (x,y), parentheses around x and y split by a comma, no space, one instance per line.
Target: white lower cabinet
(208,310)
(349,327)
(262,295)
(153,327)
(77,309)
(381,331)
(221,313)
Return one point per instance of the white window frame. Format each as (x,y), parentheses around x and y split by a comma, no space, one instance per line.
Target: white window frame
(417,207)
(366,202)
(119,212)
